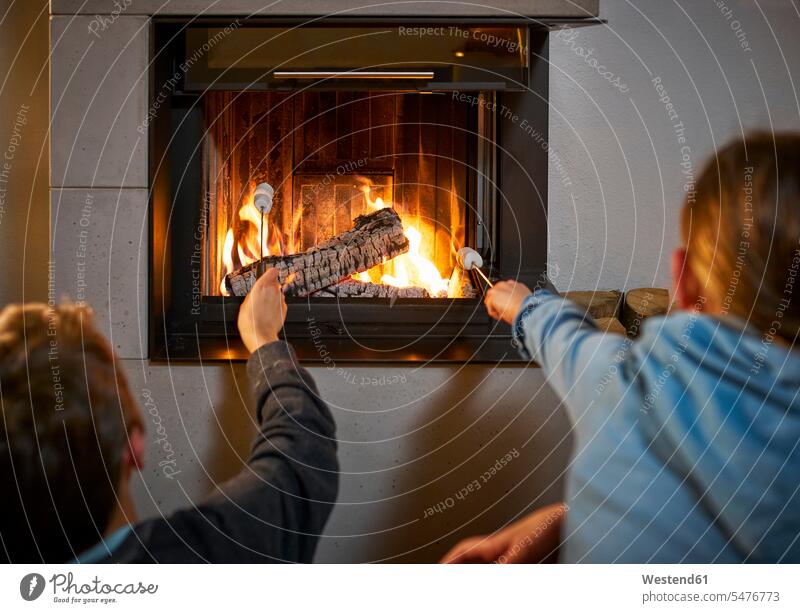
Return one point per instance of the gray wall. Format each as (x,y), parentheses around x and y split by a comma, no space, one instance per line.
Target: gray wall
(404,447)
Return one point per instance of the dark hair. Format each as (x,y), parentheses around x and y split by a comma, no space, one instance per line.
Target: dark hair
(67,411)
(741,229)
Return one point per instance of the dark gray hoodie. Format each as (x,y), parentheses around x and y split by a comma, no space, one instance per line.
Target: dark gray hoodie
(275,509)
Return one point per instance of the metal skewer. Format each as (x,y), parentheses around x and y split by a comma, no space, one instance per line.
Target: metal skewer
(485,278)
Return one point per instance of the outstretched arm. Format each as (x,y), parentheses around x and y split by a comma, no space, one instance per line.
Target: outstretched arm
(276,507)
(279,504)
(575,354)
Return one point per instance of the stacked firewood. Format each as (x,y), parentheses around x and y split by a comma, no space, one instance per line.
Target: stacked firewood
(620,314)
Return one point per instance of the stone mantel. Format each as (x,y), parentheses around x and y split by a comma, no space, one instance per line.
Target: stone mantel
(301,8)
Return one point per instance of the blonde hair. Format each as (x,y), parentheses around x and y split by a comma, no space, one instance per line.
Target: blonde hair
(741,228)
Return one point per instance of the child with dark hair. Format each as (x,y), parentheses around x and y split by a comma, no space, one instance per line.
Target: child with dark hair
(71,437)
(687,440)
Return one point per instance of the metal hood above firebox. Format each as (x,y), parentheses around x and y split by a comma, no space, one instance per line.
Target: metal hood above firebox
(543,9)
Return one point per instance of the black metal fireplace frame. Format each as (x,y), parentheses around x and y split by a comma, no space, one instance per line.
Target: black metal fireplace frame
(185,325)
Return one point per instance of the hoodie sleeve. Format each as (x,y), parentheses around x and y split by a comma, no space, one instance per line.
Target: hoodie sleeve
(291,480)
(578,358)
(275,509)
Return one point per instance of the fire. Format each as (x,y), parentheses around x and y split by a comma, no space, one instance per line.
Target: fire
(245,243)
(251,242)
(227,260)
(414,270)
(411,269)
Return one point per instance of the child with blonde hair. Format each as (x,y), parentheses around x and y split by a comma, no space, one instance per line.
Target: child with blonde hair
(687,440)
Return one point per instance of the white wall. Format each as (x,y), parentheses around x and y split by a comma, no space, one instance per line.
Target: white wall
(616,225)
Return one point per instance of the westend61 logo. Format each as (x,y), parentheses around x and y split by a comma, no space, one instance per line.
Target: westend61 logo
(67,591)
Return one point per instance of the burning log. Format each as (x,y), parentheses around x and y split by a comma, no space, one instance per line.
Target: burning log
(375,238)
(360,289)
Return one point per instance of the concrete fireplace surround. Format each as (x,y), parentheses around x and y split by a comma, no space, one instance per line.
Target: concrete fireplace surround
(411,437)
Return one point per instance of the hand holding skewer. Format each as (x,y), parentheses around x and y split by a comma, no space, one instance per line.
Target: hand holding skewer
(504,300)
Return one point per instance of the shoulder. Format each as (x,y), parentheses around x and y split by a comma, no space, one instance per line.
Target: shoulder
(679,331)
(691,336)
(178,538)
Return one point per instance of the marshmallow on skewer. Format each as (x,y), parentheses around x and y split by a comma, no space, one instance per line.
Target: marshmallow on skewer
(262,198)
(472,260)
(469,258)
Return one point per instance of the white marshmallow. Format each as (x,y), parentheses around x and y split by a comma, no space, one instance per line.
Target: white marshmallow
(469,258)
(262,198)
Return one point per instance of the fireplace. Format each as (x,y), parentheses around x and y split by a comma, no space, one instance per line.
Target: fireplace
(444,123)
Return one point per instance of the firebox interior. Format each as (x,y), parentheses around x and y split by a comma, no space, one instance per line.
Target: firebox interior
(331,156)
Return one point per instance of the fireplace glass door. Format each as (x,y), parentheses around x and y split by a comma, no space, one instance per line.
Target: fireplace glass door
(331,156)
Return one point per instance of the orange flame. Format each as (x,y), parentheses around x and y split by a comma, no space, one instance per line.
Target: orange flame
(251,243)
(411,269)
(227,260)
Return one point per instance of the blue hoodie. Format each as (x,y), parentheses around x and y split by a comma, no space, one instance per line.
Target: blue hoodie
(687,441)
